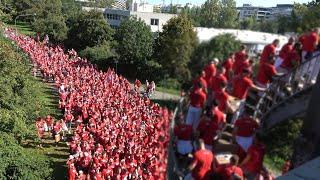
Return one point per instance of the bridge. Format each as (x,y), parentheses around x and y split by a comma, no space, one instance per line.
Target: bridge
(296,94)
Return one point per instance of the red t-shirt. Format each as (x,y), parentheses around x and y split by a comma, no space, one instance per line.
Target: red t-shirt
(183,132)
(290,59)
(197,98)
(216,82)
(240,56)
(208,130)
(254,165)
(239,66)
(228,64)
(218,116)
(246,127)
(241,86)
(267,52)
(285,50)
(228,172)
(202,80)
(210,71)
(203,160)
(308,41)
(265,73)
(222,98)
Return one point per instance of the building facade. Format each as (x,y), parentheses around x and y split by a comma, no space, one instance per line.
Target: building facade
(156,21)
(262,13)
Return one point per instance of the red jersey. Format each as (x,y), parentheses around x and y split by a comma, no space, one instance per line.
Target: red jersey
(240,56)
(285,50)
(216,82)
(265,73)
(208,130)
(210,71)
(241,85)
(203,160)
(246,127)
(228,64)
(222,98)
(267,52)
(197,98)
(183,132)
(239,66)
(292,58)
(202,80)
(308,42)
(254,165)
(218,116)
(231,170)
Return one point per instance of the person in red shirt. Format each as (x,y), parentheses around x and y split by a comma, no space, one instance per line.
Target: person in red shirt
(207,129)
(72,172)
(56,132)
(217,80)
(266,72)
(244,130)
(137,85)
(202,80)
(241,55)
(240,87)
(228,64)
(285,50)
(232,171)
(309,43)
(269,51)
(219,117)
(242,63)
(197,102)
(242,83)
(222,99)
(210,70)
(253,163)
(292,60)
(183,133)
(201,164)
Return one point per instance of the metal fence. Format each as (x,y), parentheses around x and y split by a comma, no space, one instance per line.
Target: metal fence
(287,86)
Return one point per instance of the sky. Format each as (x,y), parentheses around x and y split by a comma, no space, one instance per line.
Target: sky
(264,3)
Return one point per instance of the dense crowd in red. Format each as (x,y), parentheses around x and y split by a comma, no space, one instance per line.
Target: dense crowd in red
(118,134)
(211,101)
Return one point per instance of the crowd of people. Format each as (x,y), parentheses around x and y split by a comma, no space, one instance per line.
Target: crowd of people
(117,134)
(212,105)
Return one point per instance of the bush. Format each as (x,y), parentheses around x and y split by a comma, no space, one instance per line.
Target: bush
(170,83)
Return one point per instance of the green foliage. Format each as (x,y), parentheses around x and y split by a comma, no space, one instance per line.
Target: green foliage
(100,55)
(210,12)
(279,141)
(219,47)
(175,46)
(21,101)
(88,29)
(135,42)
(19,163)
(170,83)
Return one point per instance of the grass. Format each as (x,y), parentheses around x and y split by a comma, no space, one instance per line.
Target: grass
(23,28)
(48,98)
(169,91)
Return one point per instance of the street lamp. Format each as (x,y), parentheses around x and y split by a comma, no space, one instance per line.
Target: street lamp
(21,15)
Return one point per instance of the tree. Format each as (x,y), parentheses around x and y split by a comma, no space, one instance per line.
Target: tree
(89,29)
(54,26)
(209,15)
(174,47)
(219,47)
(228,15)
(135,40)
(101,55)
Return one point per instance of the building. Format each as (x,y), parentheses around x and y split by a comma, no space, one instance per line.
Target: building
(254,40)
(141,11)
(262,13)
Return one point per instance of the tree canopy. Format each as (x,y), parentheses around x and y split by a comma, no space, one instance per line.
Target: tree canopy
(175,45)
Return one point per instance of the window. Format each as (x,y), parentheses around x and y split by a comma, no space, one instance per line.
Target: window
(154,22)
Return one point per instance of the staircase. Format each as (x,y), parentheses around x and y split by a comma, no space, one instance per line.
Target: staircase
(287,97)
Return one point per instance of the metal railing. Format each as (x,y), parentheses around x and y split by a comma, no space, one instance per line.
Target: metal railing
(285,87)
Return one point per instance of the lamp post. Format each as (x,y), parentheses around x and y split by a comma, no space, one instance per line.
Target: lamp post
(21,15)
